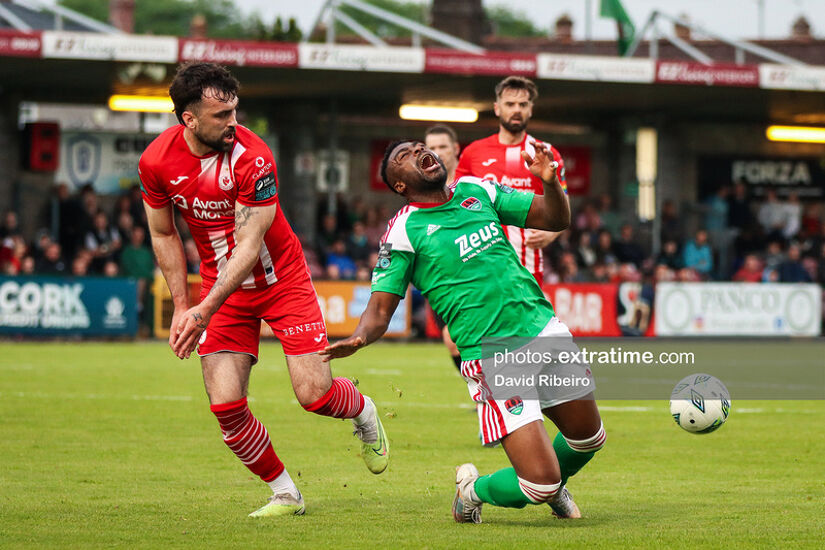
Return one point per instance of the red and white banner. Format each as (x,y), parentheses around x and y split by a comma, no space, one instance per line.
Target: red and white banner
(240,53)
(587,309)
(595,69)
(786,77)
(490,63)
(361,58)
(20,44)
(684,72)
(116,47)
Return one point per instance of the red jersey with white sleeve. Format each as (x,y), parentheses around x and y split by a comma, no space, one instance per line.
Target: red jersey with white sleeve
(489,159)
(205,189)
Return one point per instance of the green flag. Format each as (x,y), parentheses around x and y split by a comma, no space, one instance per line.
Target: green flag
(614,10)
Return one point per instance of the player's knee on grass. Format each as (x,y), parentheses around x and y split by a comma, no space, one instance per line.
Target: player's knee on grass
(538,493)
(590,444)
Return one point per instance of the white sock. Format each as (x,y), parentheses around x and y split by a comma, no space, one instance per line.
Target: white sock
(284,484)
(364,421)
(366,412)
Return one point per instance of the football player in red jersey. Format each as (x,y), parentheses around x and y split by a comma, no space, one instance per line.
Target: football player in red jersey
(498,158)
(222,179)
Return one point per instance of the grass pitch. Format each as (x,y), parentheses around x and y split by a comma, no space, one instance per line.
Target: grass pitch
(114,445)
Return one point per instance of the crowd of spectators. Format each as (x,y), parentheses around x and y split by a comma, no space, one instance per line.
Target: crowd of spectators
(739,238)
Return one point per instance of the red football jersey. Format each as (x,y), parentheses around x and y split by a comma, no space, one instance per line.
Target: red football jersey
(205,190)
(491,160)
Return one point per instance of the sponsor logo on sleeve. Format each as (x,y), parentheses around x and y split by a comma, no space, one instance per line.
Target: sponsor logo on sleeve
(384,256)
(265,187)
(504,188)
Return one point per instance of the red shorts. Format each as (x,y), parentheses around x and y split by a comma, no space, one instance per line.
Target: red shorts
(290,308)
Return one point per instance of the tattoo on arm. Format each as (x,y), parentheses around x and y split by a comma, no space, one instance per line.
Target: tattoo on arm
(242,216)
(199,320)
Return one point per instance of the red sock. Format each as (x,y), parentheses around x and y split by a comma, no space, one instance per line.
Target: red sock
(342,400)
(248,439)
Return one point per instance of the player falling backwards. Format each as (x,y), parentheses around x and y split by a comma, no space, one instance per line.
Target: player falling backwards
(488,295)
(222,179)
(498,158)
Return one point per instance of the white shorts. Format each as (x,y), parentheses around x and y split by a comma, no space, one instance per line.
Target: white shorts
(499,417)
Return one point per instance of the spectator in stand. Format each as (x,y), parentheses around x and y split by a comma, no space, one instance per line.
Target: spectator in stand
(81,263)
(774,255)
(626,249)
(110,269)
(610,219)
(772,216)
(663,273)
(585,253)
(52,262)
(791,270)
(328,234)
(136,208)
(103,241)
(338,257)
(599,273)
(688,275)
(69,223)
(739,208)
(671,223)
(333,273)
(374,228)
(793,217)
(751,270)
(364,274)
(604,248)
(669,256)
(570,270)
(137,262)
(698,255)
(13,252)
(11,225)
(28,266)
(812,220)
(716,224)
(821,265)
(358,247)
(588,219)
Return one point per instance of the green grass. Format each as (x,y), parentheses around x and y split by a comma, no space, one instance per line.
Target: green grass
(113,445)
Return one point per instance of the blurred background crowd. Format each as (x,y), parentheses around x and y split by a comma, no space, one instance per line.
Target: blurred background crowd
(739,238)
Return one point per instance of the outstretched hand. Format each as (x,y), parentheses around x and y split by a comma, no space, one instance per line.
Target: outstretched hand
(342,348)
(542,165)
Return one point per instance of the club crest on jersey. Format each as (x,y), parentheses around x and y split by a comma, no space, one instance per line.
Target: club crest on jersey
(471,203)
(225,183)
(514,405)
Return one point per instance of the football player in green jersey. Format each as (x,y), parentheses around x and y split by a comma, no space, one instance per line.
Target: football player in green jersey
(448,241)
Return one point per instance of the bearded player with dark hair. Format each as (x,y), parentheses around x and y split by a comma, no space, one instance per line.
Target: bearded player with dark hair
(222,179)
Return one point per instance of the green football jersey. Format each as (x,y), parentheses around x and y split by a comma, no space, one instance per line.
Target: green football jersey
(458,256)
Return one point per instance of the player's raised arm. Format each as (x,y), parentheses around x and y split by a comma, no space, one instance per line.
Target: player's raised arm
(373,324)
(251,223)
(551,211)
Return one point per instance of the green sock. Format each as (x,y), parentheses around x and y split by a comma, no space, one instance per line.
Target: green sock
(501,489)
(570,461)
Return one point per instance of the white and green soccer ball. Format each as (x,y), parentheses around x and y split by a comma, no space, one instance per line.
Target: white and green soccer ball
(700,403)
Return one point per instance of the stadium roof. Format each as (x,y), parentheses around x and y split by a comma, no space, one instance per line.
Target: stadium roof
(29,15)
